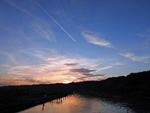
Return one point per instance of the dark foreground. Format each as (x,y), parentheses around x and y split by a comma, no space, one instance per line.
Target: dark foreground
(135,85)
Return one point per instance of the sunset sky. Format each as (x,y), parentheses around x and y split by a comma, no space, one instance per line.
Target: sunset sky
(60,41)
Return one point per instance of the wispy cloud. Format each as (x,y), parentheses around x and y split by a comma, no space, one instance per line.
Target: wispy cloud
(110,66)
(16,80)
(54,67)
(133,57)
(43,29)
(38,27)
(103,68)
(145,34)
(95,39)
(10,56)
(20,8)
(118,63)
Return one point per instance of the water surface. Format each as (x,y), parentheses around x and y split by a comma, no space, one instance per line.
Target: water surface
(82,104)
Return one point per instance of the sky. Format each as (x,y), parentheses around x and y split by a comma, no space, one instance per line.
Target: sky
(62,41)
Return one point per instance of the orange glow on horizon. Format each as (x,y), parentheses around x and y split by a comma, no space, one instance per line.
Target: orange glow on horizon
(66,82)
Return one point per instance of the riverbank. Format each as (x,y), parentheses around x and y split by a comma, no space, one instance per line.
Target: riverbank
(19,107)
(16,98)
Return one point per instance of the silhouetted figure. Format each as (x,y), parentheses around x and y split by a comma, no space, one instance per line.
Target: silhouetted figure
(43,107)
(61,100)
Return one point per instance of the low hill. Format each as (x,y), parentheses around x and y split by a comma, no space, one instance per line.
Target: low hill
(134,84)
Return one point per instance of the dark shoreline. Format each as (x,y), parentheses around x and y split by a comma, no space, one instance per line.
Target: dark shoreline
(14,109)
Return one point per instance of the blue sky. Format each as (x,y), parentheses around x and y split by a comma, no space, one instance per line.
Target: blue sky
(49,41)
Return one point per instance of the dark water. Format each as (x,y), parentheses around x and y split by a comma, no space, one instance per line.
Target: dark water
(85,104)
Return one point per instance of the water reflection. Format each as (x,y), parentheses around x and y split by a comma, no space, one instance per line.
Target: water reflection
(85,104)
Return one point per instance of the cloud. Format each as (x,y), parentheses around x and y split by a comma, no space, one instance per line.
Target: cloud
(133,57)
(93,75)
(94,39)
(37,81)
(53,67)
(43,29)
(145,34)
(39,26)
(85,74)
(90,77)
(118,63)
(103,68)
(71,64)
(110,66)
(20,8)
(17,80)
(5,66)
(10,56)
(82,70)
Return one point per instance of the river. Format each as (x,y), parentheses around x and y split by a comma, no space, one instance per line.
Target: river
(85,104)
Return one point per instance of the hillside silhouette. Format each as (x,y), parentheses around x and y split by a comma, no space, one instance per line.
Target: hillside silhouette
(132,85)
(135,85)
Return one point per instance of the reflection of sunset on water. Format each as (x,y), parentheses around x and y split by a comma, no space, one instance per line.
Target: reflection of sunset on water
(77,104)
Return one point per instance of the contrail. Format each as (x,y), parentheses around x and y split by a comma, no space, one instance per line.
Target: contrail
(54,20)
